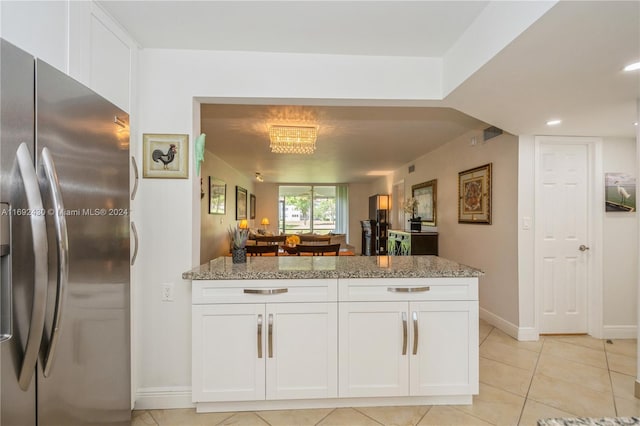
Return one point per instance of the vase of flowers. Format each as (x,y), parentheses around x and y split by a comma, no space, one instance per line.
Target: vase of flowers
(410,206)
(238,238)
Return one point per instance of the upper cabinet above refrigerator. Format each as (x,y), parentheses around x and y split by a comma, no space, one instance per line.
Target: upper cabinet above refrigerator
(77,38)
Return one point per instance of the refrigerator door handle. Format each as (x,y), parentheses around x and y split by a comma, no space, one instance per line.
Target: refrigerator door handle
(39,241)
(6,300)
(62,239)
(136,176)
(135,238)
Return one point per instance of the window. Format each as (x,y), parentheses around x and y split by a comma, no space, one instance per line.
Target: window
(311,208)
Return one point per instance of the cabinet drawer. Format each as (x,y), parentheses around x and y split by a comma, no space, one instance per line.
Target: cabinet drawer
(263,291)
(388,289)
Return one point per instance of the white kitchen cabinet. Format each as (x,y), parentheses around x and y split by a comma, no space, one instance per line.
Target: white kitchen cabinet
(371,359)
(267,350)
(284,344)
(227,365)
(445,361)
(301,354)
(419,346)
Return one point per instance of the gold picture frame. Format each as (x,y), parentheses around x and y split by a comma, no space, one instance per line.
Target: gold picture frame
(426,194)
(165,156)
(474,195)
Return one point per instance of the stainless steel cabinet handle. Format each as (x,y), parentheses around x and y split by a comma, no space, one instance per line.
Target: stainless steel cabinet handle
(266,291)
(407,289)
(270,336)
(135,239)
(415,332)
(259,336)
(404,333)
(62,240)
(40,249)
(136,176)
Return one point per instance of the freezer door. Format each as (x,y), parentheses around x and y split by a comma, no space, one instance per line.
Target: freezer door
(16,126)
(88,381)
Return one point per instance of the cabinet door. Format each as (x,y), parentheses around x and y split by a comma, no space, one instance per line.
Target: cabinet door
(302,350)
(372,359)
(445,360)
(228,352)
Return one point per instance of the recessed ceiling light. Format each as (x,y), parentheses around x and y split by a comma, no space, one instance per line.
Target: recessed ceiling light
(553,122)
(632,67)
(635,124)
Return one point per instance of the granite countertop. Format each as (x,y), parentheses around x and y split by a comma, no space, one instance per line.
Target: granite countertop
(318,267)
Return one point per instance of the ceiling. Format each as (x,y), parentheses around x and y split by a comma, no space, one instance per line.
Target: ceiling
(567,65)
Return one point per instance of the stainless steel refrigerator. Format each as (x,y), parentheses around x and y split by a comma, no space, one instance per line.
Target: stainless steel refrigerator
(64,264)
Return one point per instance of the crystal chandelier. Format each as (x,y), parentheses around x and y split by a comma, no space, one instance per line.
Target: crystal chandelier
(293,139)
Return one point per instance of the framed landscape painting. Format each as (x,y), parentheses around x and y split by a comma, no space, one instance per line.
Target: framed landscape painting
(252,206)
(620,192)
(474,195)
(426,193)
(217,196)
(241,203)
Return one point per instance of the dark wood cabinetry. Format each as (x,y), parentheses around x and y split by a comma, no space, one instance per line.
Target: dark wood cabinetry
(405,243)
(375,230)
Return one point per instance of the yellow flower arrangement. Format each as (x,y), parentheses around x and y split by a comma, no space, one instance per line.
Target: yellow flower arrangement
(292,240)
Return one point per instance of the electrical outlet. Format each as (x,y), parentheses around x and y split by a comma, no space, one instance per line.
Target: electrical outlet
(166,292)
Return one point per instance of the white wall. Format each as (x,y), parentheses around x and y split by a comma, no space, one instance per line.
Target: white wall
(620,251)
(170,81)
(214,239)
(620,275)
(491,248)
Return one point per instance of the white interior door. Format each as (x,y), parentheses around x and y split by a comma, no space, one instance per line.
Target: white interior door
(562,236)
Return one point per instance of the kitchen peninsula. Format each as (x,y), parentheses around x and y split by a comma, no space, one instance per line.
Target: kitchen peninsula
(303,332)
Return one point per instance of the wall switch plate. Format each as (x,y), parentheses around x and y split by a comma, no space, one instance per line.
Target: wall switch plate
(166,292)
(526,223)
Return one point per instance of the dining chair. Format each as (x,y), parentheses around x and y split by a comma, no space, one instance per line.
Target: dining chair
(319,250)
(260,250)
(270,239)
(315,238)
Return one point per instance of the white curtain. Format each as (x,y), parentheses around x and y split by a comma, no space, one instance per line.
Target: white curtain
(342,210)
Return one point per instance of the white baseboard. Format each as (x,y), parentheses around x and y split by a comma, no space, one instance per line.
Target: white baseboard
(518,333)
(531,333)
(164,398)
(620,331)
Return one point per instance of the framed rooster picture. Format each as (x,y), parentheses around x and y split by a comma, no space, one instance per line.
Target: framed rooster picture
(165,156)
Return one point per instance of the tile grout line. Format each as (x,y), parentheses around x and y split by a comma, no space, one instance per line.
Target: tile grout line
(322,419)
(606,358)
(526,397)
(366,415)
(225,419)
(425,413)
(262,418)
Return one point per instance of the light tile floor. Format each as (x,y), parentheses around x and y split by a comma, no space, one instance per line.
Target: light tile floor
(520,382)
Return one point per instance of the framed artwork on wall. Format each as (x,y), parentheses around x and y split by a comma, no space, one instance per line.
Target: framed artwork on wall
(425,194)
(165,156)
(241,203)
(620,192)
(217,196)
(252,206)
(474,195)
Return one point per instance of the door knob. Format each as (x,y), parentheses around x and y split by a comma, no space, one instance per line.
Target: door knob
(583,248)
